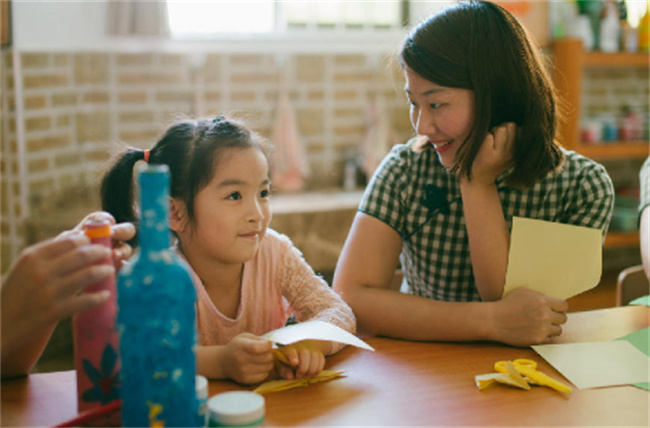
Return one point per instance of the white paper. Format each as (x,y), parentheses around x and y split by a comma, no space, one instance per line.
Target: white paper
(315,330)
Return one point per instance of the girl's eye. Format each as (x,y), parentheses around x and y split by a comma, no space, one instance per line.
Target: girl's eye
(265,193)
(234,196)
(435,105)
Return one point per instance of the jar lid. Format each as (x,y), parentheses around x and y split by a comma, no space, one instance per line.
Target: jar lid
(236,408)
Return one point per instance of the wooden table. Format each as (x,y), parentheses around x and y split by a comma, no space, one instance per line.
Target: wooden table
(404,383)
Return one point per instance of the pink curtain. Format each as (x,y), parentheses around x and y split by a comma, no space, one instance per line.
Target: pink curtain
(379,136)
(290,168)
(137,18)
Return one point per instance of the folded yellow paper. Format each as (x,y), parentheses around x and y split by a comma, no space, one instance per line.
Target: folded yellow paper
(283,384)
(510,377)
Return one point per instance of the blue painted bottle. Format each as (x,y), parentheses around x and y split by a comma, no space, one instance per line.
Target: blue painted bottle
(156,319)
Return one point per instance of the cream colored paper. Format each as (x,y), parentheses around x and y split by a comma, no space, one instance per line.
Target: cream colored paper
(556,259)
(315,330)
(597,364)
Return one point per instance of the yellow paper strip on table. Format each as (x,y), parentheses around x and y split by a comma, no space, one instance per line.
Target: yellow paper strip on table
(515,377)
(486,380)
(283,384)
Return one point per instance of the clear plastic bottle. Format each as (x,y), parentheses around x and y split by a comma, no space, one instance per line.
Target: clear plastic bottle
(95,339)
(610,29)
(156,319)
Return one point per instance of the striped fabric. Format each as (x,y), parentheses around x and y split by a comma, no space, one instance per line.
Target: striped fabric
(415,195)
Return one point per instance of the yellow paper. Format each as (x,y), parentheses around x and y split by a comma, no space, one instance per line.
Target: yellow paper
(510,377)
(315,330)
(515,377)
(598,364)
(559,260)
(284,384)
(486,380)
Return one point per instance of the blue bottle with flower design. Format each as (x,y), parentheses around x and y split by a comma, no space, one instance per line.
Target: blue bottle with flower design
(156,319)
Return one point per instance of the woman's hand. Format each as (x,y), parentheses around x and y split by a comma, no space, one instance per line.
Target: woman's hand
(495,155)
(246,359)
(306,359)
(121,233)
(43,287)
(525,317)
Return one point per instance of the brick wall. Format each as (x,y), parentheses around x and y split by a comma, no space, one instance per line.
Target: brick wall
(76,106)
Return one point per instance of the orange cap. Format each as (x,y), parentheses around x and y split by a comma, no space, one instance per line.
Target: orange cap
(99,232)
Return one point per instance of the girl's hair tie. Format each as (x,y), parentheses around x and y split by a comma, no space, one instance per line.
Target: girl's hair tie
(146,155)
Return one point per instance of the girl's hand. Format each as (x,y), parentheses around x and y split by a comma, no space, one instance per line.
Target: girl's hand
(305,357)
(525,317)
(495,155)
(247,359)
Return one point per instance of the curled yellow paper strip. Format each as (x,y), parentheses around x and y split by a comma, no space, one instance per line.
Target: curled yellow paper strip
(284,384)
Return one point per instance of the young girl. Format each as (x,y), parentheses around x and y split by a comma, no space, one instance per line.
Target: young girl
(248,278)
(485,113)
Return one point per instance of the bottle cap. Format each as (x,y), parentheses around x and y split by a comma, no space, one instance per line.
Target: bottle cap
(97,228)
(236,408)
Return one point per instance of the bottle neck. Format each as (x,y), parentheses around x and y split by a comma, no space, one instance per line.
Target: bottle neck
(154,209)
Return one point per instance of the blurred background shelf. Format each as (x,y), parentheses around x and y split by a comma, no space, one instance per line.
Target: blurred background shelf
(617,239)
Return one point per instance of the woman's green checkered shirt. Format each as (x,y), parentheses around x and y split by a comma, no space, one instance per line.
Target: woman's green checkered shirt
(415,195)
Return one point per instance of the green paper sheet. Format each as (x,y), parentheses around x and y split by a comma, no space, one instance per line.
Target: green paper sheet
(641,341)
(645,300)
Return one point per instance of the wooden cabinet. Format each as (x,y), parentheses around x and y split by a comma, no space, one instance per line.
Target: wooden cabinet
(570,62)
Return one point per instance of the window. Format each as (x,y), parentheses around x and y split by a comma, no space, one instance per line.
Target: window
(211,19)
(205,18)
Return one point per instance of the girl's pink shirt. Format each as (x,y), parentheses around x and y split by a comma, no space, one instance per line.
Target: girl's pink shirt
(276,283)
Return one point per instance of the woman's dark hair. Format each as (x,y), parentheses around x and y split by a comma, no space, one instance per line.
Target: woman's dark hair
(480,46)
(190,149)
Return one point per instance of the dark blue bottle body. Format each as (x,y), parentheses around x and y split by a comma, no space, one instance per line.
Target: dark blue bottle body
(156,319)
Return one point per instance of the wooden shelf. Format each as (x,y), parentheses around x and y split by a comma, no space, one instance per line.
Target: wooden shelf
(616,239)
(617,59)
(570,62)
(615,150)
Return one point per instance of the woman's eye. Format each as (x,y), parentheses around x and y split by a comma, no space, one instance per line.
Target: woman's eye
(435,105)
(265,193)
(234,196)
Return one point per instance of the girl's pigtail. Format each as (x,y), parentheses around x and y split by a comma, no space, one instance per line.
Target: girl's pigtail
(117,189)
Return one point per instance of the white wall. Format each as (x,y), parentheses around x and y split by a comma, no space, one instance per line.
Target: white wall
(58,24)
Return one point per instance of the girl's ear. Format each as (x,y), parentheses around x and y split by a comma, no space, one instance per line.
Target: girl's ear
(178,218)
